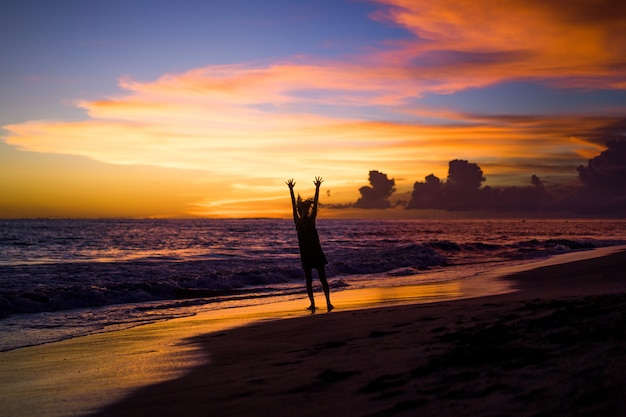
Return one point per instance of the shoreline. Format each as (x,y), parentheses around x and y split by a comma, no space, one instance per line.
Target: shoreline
(542,350)
(266,357)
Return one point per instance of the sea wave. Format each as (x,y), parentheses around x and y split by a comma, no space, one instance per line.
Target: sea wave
(66,278)
(65,286)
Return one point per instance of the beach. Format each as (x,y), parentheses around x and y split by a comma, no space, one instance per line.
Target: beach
(552,342)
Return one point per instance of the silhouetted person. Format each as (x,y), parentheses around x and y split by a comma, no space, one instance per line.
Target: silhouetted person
(311,254)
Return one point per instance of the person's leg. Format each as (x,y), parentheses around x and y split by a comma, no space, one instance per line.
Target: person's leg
(322,273)
(309,288)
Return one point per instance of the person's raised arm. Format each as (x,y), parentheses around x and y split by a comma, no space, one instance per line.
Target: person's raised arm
(318,181)
(290,183)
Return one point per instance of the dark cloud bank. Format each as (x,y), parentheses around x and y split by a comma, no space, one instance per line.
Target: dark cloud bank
(600,191)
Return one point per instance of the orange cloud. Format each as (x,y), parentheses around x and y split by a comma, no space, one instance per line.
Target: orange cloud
(185,121)
(465,44)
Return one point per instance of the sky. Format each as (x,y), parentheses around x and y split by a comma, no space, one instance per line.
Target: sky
(151,108)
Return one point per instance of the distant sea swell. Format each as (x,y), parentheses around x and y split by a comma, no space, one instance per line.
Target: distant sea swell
(54,265)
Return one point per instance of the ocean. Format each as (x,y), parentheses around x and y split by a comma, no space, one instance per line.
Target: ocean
(67,278)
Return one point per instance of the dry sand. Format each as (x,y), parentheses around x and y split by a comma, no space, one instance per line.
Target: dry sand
(556,347)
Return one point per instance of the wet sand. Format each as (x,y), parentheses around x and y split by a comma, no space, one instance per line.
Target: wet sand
(551,342)
(555,347)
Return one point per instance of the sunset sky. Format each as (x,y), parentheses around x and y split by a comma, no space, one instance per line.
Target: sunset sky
(151,108)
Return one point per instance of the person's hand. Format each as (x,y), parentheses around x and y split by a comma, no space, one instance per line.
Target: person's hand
(318,181)
(290,183)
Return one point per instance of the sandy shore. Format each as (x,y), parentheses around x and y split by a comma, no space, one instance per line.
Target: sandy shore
(556,347)
(551,342)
